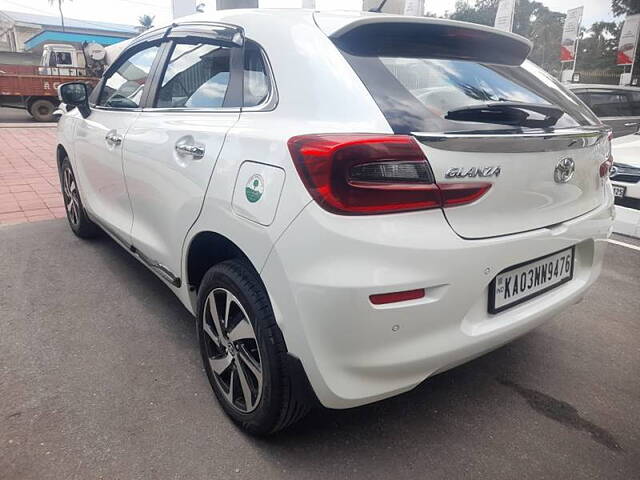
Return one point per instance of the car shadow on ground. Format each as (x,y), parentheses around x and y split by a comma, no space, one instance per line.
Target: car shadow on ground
(468,377)
(486,406)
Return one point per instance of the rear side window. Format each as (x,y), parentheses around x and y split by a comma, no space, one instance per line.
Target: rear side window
(197,76)
(256,79)
(610,103)
(124,87)
(416,93)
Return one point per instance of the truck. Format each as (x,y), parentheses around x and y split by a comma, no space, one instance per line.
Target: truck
(35,88)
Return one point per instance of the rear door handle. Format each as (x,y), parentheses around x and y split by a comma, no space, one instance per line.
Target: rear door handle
(195,151)
(113,139)
(631,124)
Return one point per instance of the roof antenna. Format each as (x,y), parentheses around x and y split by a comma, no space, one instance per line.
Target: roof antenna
(379,8)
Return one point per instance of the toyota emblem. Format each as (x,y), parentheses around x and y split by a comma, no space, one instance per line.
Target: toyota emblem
(564,170)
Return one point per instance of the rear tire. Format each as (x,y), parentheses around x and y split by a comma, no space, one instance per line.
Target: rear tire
(78,219)
(42,110)
(247,364)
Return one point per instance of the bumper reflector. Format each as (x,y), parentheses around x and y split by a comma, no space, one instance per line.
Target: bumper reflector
(384,298)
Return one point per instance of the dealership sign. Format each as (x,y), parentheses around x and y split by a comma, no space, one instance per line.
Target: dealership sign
(628,40)
(570,34)
(504,15)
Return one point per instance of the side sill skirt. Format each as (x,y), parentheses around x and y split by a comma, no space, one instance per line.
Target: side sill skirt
(163,271)
(158,267)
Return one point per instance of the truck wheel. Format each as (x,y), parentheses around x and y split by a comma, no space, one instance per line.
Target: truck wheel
(42,110)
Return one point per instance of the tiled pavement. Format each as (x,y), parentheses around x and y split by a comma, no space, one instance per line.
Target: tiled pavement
(29,184)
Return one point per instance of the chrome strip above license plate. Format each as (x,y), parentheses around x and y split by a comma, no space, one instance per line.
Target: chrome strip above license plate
(524,281)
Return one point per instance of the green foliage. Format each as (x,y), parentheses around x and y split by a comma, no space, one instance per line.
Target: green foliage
(483,12)
(625,7)
(597,47)
(532,20)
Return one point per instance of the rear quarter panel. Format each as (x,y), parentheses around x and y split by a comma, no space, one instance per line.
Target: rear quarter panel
(318,92)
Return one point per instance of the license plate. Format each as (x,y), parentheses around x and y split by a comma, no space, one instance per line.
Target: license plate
(619,191)
(522,282)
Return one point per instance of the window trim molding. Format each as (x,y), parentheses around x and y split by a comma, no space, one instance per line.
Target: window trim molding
(268,105)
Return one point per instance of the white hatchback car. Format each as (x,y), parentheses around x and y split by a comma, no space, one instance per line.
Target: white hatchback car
(349,203)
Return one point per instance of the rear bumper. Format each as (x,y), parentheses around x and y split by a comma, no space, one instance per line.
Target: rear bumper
(324,267)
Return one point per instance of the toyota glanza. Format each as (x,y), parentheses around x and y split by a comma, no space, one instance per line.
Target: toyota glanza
(348,203)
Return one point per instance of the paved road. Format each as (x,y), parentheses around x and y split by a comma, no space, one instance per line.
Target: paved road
(100,378)
(15,115)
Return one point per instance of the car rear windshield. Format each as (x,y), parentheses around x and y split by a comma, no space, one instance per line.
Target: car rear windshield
(416,94)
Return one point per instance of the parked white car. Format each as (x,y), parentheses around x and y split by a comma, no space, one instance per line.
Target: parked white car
(625,172)
(349,203)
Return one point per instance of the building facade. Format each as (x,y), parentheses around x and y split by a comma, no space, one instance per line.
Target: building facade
(27,32)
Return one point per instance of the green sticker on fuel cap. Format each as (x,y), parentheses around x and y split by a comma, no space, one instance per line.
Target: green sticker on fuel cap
(254,188)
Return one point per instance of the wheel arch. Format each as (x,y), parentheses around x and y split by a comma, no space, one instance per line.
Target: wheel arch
(206,249)
(61,153)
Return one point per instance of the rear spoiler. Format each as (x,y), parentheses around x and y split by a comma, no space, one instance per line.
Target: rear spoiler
(423,37)
(548,140)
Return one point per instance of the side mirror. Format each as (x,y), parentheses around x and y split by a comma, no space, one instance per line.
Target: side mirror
(75,94)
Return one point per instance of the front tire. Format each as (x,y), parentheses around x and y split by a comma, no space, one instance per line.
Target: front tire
(243,350)
(78,219)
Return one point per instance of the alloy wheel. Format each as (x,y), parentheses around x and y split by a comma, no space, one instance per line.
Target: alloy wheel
(232,350)
(71,197)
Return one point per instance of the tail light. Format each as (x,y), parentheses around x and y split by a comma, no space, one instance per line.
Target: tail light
(367,174)
(605,167)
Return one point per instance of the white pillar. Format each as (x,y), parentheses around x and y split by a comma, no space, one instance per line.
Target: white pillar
(182,8)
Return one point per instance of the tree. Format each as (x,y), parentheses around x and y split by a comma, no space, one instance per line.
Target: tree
(483,12)
(597,47)
(146,21)
(625,7)
(59,2)
(532,20)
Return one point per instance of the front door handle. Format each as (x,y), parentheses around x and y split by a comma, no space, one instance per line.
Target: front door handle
(631,124)
(113,139)
(195,151)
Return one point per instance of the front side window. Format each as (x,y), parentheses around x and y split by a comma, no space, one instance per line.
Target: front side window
(63,58)
(197,76)
(59,58)
(125,86)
